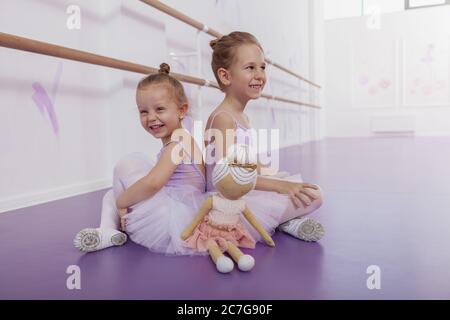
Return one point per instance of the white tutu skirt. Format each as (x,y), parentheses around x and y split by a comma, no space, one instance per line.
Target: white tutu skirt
(271,208)
(157,223)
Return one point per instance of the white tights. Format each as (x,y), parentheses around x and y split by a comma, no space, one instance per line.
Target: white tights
(127,171)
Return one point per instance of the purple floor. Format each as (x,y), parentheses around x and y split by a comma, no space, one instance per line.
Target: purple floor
(387,203)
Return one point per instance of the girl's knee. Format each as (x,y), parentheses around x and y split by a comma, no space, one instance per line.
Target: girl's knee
(128,170)
(131,163)
(108,197)
(293,212)
(132,157)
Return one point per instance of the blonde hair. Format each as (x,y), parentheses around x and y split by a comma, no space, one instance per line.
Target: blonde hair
(163,77)
(224,50)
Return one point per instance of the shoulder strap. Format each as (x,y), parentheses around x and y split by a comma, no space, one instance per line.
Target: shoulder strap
(212,120)
(180,144)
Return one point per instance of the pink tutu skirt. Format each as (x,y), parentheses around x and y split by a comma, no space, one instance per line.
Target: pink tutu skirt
(206,230)
(157,223)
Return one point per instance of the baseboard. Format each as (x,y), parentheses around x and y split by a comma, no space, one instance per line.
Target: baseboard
(31,199)
(394,124)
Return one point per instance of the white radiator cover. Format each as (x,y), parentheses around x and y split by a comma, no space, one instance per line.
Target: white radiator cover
(394,124)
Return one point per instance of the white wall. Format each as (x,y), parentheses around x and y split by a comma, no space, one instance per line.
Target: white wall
(335,9)
(35,162)
(95,106)
(394,78)
(339,9)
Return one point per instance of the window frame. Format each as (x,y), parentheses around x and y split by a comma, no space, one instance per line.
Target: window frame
(408,7)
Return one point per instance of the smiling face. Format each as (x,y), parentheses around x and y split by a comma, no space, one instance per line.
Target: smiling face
(246,76)
(160,114)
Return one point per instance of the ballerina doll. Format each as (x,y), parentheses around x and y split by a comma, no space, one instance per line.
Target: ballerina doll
(218,227)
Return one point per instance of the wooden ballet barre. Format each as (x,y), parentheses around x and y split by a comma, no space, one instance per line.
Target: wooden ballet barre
(291,101)
(292,73)
(25,44)
(202,27)
(182,17)
(34,46)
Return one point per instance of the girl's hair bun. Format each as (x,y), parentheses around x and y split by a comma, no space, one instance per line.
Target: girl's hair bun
(164,68)
(213,43)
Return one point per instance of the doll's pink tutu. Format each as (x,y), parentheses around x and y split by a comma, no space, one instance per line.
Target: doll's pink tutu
(222,223)
(236,233)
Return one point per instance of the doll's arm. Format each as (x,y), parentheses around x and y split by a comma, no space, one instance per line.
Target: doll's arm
(206,207)
(251,218)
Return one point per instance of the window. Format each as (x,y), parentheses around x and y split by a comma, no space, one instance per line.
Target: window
(335,9)
(416,4)
(383,6)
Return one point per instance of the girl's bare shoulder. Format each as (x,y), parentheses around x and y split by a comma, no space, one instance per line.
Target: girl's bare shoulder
(219,119)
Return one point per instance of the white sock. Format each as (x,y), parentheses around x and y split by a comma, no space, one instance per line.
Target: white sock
(90,239)
(305,229)
(110,218)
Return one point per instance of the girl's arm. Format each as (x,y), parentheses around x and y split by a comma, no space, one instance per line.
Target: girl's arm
(252,220)
(267,184)
(148,186)
(204,210)
(299,193)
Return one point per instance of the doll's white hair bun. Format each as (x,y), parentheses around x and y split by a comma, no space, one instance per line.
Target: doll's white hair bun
(239,163)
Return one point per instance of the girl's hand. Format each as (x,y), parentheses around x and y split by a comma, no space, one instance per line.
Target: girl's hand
(300,193)
(123,221)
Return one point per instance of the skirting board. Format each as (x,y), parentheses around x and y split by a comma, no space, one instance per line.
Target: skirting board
(31,199)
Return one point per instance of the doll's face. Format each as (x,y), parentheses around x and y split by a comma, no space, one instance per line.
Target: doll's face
(231,190)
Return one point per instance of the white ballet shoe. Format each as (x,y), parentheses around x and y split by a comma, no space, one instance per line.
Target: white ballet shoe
(246,262)
(224,264)
(90,239)
(305,229)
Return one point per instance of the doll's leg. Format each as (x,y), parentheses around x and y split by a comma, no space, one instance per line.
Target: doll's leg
(296,224)
(223,263)
(245,261)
